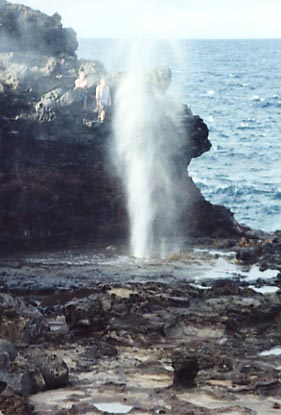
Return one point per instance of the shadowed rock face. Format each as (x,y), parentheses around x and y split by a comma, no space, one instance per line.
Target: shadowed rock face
(22,28)
(56,179)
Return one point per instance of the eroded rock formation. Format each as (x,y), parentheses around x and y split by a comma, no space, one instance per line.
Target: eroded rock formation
(55,178)
(23,29)
(155,342)
(174,346)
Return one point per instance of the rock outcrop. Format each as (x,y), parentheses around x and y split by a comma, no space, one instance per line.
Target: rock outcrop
(159,343)
(55,177)
(149,344)
(24,29)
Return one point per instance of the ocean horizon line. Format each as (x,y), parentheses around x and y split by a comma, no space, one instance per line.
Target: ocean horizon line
(178,39)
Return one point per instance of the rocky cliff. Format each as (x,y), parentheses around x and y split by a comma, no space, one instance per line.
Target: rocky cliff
(56,181)
(24,29)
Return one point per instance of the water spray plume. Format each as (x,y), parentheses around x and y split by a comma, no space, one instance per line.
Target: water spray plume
(146,144)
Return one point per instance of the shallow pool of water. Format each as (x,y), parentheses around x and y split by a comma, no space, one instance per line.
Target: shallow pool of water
(265,289)
(113,407)
(192,265)
(275,351)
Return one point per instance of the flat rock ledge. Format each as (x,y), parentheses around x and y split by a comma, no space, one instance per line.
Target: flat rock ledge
(148,346)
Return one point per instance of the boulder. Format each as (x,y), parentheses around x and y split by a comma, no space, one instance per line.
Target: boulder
(86,314)
(20,323)
(11,375)
(46,370)
(33,371)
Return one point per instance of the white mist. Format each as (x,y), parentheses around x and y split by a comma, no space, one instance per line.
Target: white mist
(146,143)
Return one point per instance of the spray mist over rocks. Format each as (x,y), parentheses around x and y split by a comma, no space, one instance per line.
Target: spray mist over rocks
(147,143)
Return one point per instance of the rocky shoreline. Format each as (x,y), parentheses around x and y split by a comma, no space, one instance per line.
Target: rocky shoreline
(84,327)
(158,336)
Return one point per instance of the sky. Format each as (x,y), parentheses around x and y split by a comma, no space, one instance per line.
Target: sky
(184,19)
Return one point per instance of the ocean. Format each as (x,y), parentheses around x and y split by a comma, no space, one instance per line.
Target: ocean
(235,86)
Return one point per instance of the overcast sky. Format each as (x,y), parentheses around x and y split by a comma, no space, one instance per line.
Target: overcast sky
(167,18)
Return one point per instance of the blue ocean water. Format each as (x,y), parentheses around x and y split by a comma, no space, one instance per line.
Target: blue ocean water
(235,86)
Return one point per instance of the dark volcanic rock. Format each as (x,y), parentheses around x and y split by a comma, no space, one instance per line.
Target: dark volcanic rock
(33,371)
(248,255)
(46,370)
(17,381)
(11,375)
(265,250)
(86,314)
(20,322)
(13,404)
(22,28)
(7,350)
(201,345)
(100,350)
(185,368)
(56,180)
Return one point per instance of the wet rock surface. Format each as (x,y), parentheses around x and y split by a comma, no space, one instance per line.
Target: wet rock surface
(265,250)
(14,404)
(201,339)
(86,330)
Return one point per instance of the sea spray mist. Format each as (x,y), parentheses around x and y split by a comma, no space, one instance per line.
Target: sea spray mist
(147,143)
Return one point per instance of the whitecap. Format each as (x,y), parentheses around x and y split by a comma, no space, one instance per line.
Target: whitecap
(243,125)
(210,92)
(234,75)
(255,98)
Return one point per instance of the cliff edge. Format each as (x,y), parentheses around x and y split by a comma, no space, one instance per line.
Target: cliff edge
(56,181)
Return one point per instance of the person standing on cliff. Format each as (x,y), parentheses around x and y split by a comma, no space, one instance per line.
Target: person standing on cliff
(103,99)
(81,82)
